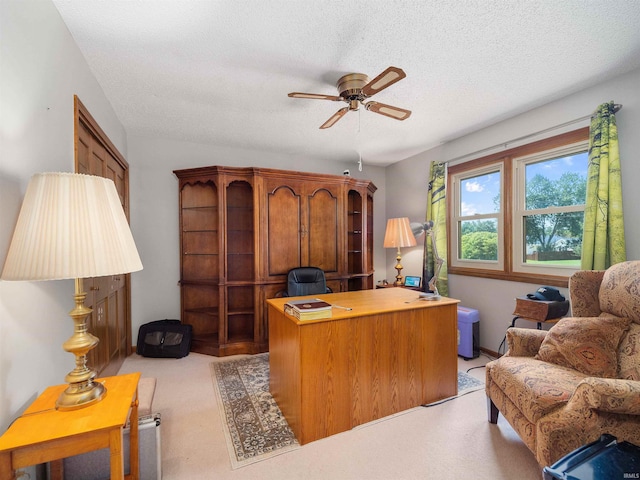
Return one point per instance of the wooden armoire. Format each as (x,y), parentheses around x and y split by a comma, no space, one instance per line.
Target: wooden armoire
(243,229)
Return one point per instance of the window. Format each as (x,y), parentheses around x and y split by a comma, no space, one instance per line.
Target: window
(518,215)
(549,210)
(478,218)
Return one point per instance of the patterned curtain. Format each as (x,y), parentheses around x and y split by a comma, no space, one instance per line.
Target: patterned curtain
(437,213)
(603,241)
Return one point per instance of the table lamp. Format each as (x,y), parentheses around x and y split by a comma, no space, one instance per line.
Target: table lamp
(397,235)
(72,226)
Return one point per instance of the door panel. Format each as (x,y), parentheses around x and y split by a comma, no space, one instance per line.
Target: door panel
(283,225)
(82,148)
(322,227)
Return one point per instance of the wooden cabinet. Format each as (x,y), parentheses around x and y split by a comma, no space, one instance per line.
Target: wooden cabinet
(243,229)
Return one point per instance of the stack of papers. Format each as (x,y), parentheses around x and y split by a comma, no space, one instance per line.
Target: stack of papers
(308,309)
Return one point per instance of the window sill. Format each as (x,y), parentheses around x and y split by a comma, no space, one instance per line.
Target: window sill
(551,280)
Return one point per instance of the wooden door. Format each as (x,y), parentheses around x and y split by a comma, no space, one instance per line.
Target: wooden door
(321,243)
(284,228)
(108,297)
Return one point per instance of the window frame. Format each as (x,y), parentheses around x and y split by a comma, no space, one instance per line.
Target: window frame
(506,160)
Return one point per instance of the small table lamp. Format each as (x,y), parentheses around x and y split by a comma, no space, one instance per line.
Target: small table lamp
(72,226)
(398,234)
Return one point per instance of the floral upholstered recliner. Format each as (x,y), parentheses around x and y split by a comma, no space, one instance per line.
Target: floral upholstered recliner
(563,388)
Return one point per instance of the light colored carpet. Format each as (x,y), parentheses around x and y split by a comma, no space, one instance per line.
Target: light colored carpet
(449,441)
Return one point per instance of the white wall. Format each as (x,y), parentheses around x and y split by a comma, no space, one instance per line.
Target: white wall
(41,71)
(154,211)
(407,195)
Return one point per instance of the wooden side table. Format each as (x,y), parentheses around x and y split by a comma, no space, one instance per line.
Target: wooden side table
(44,434)
(539,311)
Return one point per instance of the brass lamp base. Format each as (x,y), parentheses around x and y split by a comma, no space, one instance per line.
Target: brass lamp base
(398,267)
(76,396)
(82,390)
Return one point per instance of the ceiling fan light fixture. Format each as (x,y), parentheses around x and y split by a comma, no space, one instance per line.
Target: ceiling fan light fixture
(350,85)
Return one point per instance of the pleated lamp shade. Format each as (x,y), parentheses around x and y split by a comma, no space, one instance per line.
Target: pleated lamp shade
(399,234)
(70,226)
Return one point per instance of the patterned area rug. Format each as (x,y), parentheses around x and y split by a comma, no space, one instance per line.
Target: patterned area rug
(254,427)
(466,384)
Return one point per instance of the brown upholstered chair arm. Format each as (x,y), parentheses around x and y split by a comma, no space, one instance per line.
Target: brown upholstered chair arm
(584,286)
(611,395)
(524,342)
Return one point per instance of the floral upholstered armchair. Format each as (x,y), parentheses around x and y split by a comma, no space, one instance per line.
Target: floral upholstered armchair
(563,388)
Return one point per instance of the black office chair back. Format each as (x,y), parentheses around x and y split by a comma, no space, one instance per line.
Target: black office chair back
(306,281)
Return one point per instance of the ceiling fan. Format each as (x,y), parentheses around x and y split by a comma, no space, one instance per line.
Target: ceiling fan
(355,88)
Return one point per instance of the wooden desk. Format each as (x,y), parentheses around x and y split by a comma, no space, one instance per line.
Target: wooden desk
(381,357)
(43,434)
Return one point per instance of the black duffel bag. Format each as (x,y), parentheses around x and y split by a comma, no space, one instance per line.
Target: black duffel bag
(164,339)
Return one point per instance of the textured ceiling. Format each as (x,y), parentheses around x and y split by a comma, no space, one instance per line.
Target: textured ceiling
(219,72)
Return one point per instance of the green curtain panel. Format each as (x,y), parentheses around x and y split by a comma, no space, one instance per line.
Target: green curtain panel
(603,241)
(437,213)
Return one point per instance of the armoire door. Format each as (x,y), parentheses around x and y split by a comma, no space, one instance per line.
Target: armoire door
(302,226)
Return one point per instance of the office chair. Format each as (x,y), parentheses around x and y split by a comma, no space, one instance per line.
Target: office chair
(306,281)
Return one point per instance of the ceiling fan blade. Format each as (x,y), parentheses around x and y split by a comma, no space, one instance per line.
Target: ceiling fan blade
(388,110)
(387,78)
(315,96)
(335,117)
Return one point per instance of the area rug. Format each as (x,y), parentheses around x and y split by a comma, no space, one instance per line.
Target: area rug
(254,426)
(466,384)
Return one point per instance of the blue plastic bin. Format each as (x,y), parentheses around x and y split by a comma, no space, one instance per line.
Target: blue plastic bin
(468,333)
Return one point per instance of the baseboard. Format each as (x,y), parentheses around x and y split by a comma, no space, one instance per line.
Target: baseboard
(491,353)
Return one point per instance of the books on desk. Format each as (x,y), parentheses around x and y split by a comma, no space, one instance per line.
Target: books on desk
(308,309)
